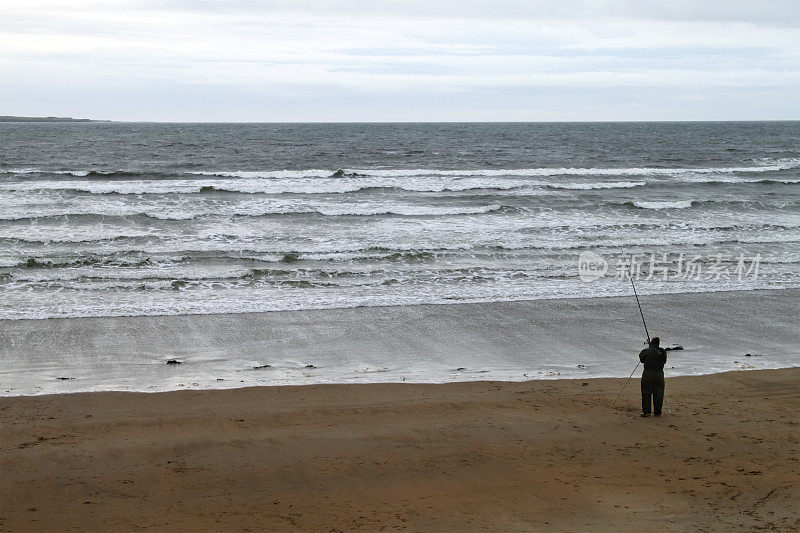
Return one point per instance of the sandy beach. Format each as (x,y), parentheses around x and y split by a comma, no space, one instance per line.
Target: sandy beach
(541,455)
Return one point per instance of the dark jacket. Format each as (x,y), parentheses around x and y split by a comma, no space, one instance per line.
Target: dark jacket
(653,358)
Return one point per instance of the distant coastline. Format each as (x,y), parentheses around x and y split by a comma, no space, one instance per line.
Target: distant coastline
(9,118)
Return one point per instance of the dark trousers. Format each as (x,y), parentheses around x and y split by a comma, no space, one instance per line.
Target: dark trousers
(652,386)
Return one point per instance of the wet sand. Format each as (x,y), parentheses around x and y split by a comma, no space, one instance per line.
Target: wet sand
(502,341)
(498,456)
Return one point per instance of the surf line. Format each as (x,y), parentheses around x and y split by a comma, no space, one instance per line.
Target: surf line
(644,322)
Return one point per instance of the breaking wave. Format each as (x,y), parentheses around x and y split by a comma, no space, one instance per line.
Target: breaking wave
(308,186)
(766,165)
(201,220)
(601,185)
(776,165)
(328,211)
(679,204)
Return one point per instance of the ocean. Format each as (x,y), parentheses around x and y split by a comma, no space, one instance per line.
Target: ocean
(128,219)
(147,220)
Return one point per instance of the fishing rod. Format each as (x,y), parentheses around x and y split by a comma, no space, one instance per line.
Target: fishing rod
(644,322)
(640,307)
(645,330)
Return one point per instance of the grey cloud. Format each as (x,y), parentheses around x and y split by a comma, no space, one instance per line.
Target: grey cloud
(402,60)
(784,13)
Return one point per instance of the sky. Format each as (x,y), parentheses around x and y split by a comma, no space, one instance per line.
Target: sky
(401,60)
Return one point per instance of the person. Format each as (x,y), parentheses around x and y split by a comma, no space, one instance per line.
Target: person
(654,359)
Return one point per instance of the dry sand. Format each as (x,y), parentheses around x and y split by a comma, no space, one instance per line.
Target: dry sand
(540,455)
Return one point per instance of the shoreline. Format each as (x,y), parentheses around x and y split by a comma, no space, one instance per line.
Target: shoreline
(545,455)
(390,306)
(498,341)
(533,381)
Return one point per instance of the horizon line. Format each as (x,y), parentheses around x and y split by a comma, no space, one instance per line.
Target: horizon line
(27,119)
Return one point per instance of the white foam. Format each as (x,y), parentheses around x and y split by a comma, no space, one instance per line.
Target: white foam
(766,165)
(705,178)
(185,210)
(77,173)
(106,187)
(265,173)
(600,185)
(408,210)
(20,171)
(282,186)
(680,204)
(578,171)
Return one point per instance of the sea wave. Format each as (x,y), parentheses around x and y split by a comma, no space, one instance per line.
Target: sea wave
(174,187)
(77,239)
(346,274)
(370,266)
(728,180)
(439,184)
(101,174)
(678,204)
(84,261)
(783,164)
(597,185)
(762,165)
(251,250)
(178,214)
(729,205)
(115,187)
(309,173)
(576,212)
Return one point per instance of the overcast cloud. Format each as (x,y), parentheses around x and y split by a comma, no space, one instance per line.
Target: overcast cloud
(401,60)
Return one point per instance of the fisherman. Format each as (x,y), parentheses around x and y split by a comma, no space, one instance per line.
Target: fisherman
(654,359)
